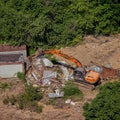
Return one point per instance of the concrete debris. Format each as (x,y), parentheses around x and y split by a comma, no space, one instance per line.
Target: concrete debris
(69,101)
(72,103)
(47,62)
(57,94)
(65,72)
(47,76)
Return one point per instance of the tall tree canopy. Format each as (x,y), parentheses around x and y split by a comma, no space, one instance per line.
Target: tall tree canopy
(52,23)
(106,105)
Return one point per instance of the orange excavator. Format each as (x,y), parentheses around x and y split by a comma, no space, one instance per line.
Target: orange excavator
(81,74)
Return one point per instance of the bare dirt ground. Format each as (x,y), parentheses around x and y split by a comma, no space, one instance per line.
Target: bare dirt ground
(101,50)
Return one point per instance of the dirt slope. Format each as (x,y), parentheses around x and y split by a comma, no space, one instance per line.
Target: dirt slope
(101,50)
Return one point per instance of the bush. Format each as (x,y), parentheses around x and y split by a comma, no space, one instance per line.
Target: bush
(12,100)
(4,86)
(21,76)
(6,100)
(71,90)
(106,105)
(27,99)
(33,93)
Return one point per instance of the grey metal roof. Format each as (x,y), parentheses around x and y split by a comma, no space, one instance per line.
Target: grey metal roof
(5,58)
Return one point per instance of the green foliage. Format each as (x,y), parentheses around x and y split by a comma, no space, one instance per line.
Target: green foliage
(33,93)
(12,100)
(71,90)
(53,23)
(106,105)
(4,86)
(21,76)
(27,100)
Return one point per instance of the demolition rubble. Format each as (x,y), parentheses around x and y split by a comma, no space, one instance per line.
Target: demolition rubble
(41,71)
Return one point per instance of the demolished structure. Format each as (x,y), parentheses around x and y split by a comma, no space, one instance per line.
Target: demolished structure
(42,71)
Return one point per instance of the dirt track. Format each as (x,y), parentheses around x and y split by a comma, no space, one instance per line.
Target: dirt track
(101,50)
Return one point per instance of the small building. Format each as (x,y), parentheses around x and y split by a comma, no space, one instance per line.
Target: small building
(12,60)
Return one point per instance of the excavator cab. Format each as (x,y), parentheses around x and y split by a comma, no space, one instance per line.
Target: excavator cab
(90,77)
(79,74)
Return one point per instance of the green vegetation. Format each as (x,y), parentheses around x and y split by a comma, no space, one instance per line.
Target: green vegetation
(56,23)
(21,76)
(4,86)
(106,105)
(72,91)
(27,100)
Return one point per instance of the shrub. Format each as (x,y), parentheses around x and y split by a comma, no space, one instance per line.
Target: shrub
(4,86)
(22,101)
(12,100)
(71,89)
(33,93)
(106,105)
(29,98)
(21,76)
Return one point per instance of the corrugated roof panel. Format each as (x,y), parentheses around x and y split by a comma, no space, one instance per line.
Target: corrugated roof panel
(5,58)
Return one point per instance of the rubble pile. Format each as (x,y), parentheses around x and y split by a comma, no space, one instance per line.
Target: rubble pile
(42,72)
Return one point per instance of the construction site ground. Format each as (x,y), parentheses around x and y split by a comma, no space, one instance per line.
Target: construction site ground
(100,50)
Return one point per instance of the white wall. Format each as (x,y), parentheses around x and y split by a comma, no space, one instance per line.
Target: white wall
(7,71)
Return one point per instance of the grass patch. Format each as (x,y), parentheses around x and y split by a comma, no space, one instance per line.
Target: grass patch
(4,86)
(72,91)
(21,76)
(27,100)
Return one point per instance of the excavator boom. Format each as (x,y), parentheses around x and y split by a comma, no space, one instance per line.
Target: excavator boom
(58,52)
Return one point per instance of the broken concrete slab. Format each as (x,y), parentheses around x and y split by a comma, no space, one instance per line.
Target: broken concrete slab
(57,94)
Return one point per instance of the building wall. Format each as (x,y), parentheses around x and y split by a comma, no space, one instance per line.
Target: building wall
(10,70)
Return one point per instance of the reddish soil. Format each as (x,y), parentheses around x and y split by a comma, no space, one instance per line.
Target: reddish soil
(101,50)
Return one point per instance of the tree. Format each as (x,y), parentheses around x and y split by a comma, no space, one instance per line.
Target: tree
(53,23)
(106,105)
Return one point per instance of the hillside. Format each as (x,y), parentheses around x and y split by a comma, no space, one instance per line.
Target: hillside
(101,50)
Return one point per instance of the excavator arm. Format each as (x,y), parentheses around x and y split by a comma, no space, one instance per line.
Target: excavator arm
(58,52)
